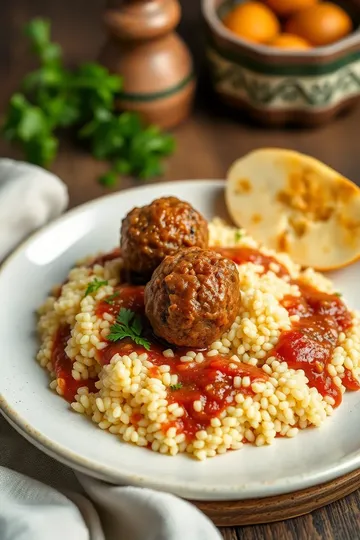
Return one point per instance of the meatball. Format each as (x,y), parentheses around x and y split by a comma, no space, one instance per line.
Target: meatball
(193,297)
(150,233)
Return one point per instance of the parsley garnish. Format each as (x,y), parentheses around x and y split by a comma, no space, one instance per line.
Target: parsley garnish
(238,235)
(128,325)
(177,386)
(53,98)
(111,298)
(338,294)
(95,286)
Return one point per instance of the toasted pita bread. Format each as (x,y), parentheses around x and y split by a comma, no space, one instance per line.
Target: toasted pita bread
(294,203)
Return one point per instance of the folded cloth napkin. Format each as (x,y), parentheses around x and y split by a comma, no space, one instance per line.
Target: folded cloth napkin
(41,499)
(29,198)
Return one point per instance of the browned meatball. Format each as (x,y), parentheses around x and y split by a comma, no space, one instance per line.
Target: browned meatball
(150,233)
(193,297)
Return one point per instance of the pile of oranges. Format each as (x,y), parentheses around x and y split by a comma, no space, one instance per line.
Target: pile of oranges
(289,24)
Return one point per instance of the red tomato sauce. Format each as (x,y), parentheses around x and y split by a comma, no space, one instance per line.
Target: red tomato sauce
(125,296)
(211,381)
(311,343)
(63,366)
(241,255)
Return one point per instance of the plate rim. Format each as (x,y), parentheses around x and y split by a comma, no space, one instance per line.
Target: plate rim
(112,475)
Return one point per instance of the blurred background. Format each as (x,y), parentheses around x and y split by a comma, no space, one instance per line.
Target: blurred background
(208,141)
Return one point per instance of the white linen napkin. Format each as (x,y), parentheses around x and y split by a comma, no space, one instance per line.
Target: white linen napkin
(29,198)
(40,499)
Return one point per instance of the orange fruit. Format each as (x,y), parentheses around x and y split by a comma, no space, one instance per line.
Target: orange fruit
(284,8)
(296,204)
(321,24)
(253,21)
(290,41)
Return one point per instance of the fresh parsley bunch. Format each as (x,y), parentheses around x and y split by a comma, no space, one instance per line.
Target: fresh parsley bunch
(53,98)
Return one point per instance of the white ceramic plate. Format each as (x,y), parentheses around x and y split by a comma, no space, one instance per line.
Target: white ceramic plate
(314,456)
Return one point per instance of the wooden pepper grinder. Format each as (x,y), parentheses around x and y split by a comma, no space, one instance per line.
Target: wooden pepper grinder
(154,62)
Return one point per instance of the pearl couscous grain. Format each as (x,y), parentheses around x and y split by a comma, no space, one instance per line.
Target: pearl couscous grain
(129,395)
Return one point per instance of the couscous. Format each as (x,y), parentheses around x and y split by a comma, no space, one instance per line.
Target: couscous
(283,365)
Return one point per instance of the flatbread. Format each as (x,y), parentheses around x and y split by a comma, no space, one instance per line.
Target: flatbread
(294,203)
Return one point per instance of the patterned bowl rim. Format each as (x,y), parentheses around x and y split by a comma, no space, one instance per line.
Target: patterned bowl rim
(209,12)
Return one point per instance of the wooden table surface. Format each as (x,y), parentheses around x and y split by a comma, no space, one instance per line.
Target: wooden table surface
(207,144)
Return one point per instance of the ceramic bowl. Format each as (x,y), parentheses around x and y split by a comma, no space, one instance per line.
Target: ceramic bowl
(277,86)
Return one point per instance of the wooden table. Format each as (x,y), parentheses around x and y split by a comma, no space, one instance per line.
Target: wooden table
(207,144)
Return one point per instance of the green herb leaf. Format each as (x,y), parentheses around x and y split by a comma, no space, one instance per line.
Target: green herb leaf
(32,124)
(128,325)
(111,298)
(150,168)
(177,386)
(63,110)
(18,102)
(94,286)
(122,166)
(38,30)
(17,106)
(117,333)
(137,326)
(238,235)
(51,54)
(92,75)
(41,151)
(108,179)
(97,87)
(55,98)
(126,316)
(338,294)
(45,77)
(141,341)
